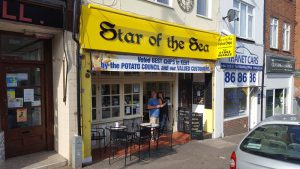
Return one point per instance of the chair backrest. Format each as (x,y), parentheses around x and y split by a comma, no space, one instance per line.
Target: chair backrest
(136,123)
(145,132)
(129,124)
(118,135)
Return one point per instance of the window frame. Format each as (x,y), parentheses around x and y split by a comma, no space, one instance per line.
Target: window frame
(238,22)
(208,9)
(272,24)
(286,39)
(121,94)
(170,4)
(285,99)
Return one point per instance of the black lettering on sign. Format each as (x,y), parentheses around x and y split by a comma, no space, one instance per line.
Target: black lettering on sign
(197,46)
(107,31)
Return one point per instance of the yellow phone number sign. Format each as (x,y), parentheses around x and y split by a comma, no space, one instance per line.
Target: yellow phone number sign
(106,29)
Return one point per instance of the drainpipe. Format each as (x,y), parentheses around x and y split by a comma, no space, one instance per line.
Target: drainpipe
(75,22)
(263,71)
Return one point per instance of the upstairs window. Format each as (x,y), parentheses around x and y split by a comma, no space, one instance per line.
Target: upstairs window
(286,36)
(162,2)
(274,33)
(203,8)
(244,26)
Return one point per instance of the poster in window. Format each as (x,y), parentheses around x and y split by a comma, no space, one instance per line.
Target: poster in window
(22,76)
(11,94)
(28,95)
(11,80)
(22,115)
(127,110)
(136,88)
(15,103)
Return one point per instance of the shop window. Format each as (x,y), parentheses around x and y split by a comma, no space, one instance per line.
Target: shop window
(269,103)
(235,102)
(131,99)
(13,47)
(276,102)
(110,100)
(244,26)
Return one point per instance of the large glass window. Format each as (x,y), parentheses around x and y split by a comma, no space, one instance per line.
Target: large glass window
(269,103)
(243,27)
(276,141)
(235,102)
(274,33)
(276,102)
(24,97)
(19,48)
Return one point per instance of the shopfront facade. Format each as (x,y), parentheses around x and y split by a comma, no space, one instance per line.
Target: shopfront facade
(242,79)
(122,64)
(279,82)
(238,96)
(31,71)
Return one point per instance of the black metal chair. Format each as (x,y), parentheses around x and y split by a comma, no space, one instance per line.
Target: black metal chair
(143,136)
(119,138)
(99,134)
(169,131)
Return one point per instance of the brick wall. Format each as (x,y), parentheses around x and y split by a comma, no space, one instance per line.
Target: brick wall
(236,126)
(297,47)
(284,11)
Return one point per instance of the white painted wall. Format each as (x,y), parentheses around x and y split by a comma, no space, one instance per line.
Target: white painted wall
(64,113)
(171,14)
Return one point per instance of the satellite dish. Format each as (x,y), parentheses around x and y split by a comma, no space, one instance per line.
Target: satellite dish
(231,15)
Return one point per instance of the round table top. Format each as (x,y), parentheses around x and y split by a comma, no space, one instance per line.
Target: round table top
(117,127)
(149,125)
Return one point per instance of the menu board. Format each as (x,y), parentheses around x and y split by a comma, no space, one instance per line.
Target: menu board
(196,125)
(191,122)
(183,121)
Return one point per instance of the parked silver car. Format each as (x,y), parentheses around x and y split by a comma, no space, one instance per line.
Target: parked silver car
(272,144)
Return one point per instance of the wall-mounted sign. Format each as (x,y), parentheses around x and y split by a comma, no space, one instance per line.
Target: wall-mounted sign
(226,46)
(297,73)
(283,64)
(29,13)
(125,63)
(106,29)
(244,59)
(241,78)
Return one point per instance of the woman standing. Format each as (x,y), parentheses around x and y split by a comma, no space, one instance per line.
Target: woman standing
(164,112)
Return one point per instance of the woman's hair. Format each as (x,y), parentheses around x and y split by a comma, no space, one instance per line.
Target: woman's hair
(160,93)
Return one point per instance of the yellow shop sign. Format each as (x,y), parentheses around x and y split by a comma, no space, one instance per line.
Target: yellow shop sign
(107,29)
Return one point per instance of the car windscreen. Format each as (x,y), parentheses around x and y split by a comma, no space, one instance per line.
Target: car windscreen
(276,141)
